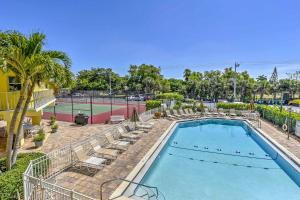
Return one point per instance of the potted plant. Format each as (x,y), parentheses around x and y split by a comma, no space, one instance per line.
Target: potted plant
(157,115)
(54,128)
(52,120)
(39,138)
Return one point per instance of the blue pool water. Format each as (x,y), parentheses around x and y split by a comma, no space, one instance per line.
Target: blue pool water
(221,160)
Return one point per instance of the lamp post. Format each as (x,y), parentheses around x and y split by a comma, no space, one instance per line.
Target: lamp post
(236,65)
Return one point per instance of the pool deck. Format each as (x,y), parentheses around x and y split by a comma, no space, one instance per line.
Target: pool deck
(292,144)
(127,161)
(121,167)
(67,132)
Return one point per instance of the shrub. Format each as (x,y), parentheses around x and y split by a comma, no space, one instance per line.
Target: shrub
(277,116)
(150,104)
(11,181)
(177,105)
(189,100)
(236,106)
(40,136)
(54,128)
(170,96)
(52,119)
(157,115)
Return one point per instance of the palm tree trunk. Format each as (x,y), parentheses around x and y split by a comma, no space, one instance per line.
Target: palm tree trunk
(23,114)
(13,125)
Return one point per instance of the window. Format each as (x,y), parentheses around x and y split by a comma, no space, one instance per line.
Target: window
(14,83)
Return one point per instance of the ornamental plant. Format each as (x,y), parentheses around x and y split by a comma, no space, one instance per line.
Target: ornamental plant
(151,104)
(278,116)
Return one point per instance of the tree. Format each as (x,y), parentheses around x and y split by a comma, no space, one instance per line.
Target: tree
(98,79)
(186,74)
(262,85)
(274,83)
(146,76)
(25,56)
(177,85)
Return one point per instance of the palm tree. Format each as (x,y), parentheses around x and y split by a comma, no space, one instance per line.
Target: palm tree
(37,66)
(262,85)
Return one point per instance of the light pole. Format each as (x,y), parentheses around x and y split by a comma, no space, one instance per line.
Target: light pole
(236,65)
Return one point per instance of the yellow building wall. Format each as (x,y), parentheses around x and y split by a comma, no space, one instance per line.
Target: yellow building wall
(12,99)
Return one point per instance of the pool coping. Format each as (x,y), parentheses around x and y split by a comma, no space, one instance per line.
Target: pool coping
(149,158)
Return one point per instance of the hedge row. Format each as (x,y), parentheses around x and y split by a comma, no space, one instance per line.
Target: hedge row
(170,96)
(277,116)
(11,181)
(151,104)
(236,106)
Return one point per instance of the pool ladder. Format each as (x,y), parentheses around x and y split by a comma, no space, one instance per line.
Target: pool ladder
(141,191)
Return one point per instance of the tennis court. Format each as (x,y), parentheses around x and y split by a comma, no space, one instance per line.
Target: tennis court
(98,110)
(66,108)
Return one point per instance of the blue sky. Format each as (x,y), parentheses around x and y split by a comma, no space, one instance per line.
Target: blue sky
(173,34)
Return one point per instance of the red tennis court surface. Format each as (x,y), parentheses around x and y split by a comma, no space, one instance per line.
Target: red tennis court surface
(103,117)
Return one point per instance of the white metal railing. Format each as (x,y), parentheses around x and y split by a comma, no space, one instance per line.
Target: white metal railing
(148,114)
(41,98)
(9,100)
(42,171)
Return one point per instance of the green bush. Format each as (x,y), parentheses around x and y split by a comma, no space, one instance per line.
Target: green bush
(11,181)
(177,105)
(54,128)
(40,136)
(236,106)
(273,114)
(189,100)
(150,104)
(52,119)
(170,96)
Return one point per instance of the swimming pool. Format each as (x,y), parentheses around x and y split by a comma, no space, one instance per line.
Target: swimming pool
(217,159)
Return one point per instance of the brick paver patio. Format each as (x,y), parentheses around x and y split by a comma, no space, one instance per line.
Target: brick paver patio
(66,133)
(121,167)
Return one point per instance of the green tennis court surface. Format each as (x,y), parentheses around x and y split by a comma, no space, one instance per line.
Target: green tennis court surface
(66,108)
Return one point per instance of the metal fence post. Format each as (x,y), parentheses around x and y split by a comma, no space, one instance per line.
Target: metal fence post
(91,105)
(127,105)
(72,107)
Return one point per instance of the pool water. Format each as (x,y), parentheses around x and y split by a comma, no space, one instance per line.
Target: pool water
(221,160)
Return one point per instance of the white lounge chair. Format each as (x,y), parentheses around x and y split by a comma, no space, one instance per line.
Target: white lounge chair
(221,112)
(182,113)
(99,151)
(115,119)
(170,116)
(84,161)
(132,129)
(116,144)
(232,113)
(207,112)
(122,134)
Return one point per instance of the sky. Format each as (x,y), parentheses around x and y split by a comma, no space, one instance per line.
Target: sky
(172,34)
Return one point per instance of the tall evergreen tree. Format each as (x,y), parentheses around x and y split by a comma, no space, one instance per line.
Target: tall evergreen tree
(274,83)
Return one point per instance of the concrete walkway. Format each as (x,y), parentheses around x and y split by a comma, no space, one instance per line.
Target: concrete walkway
(292,144)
